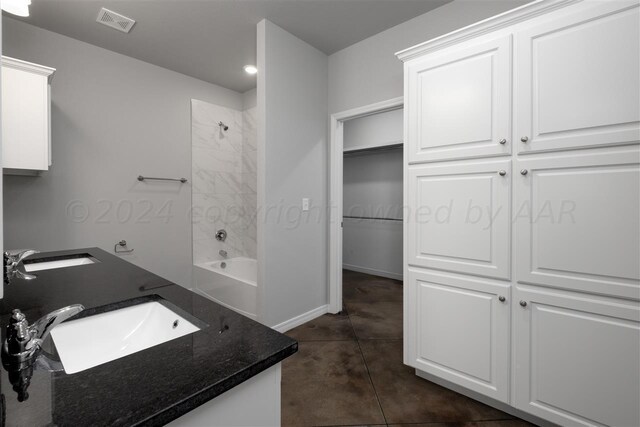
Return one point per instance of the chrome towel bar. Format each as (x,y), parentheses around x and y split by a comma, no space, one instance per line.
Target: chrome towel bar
(144,178)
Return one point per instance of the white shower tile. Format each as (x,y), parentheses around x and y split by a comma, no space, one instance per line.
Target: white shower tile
(215,160)
(202,181)
(227,183)
(203,250)
(249,129)
(223,181)
(249,162)
(249,183)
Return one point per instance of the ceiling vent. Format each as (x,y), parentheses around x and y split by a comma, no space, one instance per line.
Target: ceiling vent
(115,20)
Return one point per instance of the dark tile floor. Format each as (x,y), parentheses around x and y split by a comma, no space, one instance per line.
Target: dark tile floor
(349,371)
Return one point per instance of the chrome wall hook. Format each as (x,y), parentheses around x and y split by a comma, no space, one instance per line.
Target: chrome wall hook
(122,244)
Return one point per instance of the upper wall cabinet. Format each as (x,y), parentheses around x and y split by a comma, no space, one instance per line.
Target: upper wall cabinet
(460,102)
(26,117)
(577,79)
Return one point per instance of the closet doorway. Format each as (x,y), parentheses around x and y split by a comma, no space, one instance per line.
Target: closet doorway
(366,194)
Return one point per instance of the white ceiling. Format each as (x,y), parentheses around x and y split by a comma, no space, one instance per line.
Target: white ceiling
(211,40)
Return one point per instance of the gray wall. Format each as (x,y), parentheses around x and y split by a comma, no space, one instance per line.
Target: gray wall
(249,99)
(113,118)
(292,144)
(373,188)
(368,71)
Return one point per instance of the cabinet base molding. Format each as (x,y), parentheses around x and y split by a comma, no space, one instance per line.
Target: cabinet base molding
(484,399)
(21,172)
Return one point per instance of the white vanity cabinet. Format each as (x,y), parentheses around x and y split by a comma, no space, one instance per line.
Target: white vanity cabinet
(551,225)
(255,402)
(26,117)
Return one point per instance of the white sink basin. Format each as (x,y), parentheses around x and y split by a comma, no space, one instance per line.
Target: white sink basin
(98,339)
(60,263)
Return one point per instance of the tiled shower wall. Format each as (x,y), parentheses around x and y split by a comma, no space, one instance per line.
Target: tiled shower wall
(223,181)
(250,179)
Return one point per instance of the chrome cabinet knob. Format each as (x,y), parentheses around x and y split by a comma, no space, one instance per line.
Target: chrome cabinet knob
(503,141)
(523,303)
(524,172)
(502,173)
(524,139)
(501,298)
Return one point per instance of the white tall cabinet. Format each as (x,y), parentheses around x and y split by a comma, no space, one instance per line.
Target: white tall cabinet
(522,179)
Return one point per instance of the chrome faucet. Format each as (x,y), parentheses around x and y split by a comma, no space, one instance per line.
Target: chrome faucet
(11,264)
(23,341)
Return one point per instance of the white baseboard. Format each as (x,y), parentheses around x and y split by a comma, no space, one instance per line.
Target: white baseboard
(303,318)
(372,271)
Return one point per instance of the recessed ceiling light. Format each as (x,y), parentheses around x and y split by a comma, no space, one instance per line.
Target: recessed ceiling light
(250,69)
(16,7)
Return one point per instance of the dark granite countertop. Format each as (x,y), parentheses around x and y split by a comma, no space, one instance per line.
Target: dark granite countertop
(151,387)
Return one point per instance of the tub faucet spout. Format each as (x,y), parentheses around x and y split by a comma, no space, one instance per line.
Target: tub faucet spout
(223,253)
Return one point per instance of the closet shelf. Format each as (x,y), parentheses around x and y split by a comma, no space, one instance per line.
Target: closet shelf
(354,151)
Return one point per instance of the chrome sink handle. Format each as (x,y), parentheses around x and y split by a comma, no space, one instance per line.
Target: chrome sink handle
(41,327)
(22,341)
(22,350)
(19,257)
(12,262)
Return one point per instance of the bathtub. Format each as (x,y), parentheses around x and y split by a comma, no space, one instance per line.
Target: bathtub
(231,283)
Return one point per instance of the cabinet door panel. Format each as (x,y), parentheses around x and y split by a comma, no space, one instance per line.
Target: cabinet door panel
(25,116)
(577,79)
(577,222)
(459,102)
(577,358)
(462,330)
(460,219)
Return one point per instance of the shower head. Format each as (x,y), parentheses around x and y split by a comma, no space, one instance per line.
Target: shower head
(223,126)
